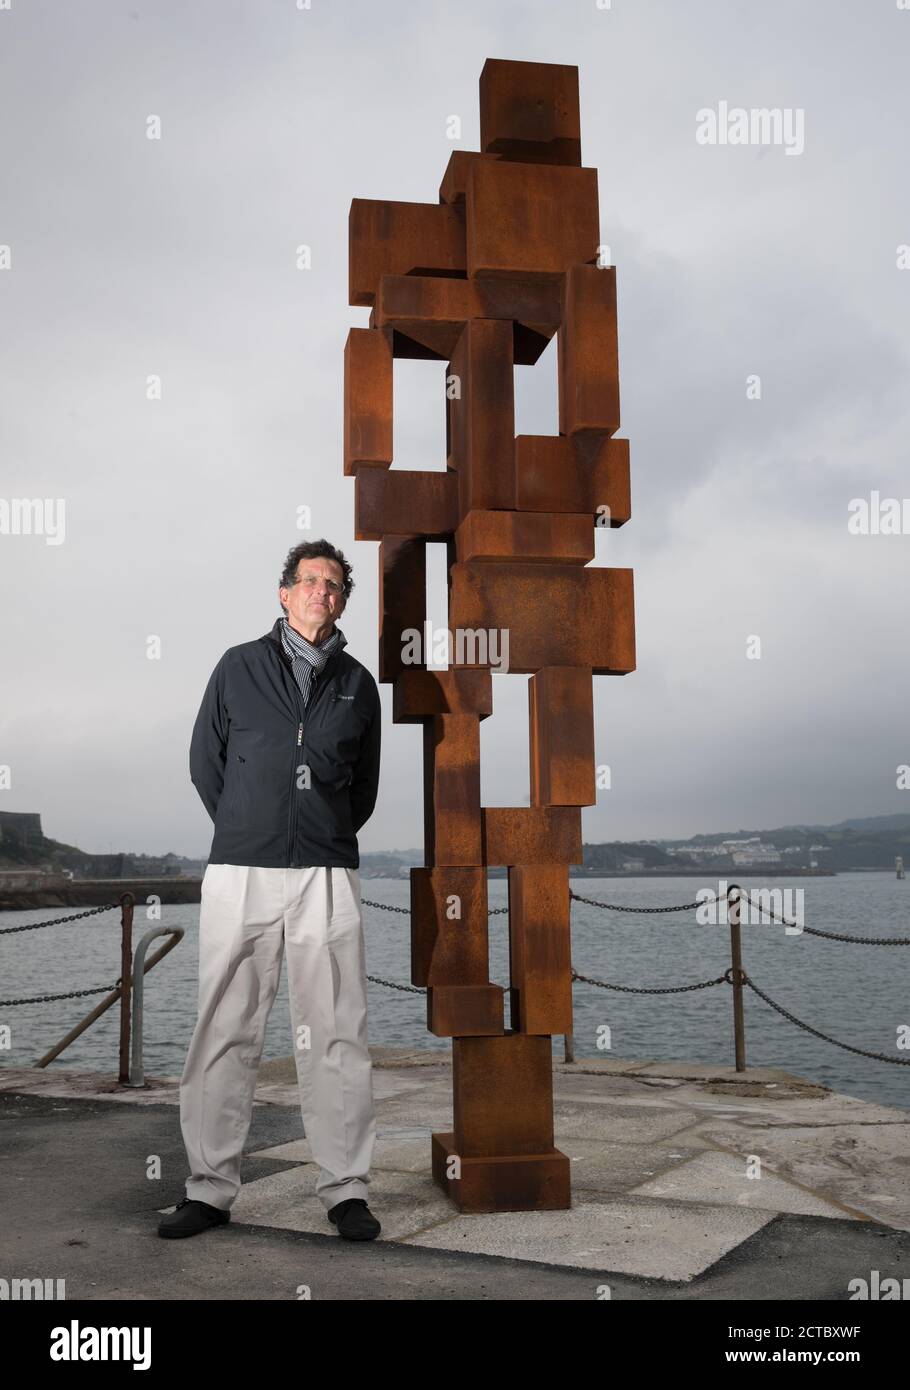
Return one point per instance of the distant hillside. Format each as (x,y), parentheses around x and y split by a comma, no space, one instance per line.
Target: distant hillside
(870,842)
(23,845)
(874,823)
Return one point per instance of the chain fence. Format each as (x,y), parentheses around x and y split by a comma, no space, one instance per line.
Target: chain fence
(741,978)
(56,922)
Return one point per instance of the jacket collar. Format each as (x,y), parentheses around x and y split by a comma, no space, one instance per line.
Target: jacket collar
(274,636)
(315,653)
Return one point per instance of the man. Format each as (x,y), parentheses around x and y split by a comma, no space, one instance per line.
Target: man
(285,756)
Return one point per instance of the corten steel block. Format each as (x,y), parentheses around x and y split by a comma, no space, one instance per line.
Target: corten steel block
(418,694)
(561,732)
(367,399)
(485,1071)
(530,219)
(540,955)
(480,423)
(426,313)
(398,501)
(454,180)
(480,282)
(451,789)
(386,238)
(531,835)
(581,474)
(535,536)
(402,599)
(555,615)
(588,353)
(529,111)
(523,1182)
(449,926)
(466,1010)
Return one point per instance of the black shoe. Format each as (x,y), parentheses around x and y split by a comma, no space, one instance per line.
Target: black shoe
(354,1220)
(190,1217)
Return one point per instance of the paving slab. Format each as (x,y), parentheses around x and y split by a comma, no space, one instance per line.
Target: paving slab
(659,1240)
(655,1239)
(864,1167)
(722,1177)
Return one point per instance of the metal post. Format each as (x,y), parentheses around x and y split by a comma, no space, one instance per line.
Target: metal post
(137,1069)
(126,982)
(736,953)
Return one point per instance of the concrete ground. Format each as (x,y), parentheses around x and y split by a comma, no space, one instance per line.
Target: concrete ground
(662,1203)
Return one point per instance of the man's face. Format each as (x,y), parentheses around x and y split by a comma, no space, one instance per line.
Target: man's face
(317,597)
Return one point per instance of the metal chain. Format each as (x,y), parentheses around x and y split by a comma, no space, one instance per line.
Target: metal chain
(856,940)
(410,989)
(761,907)
(639,989)
(367,902)
(829,935)
(55,921)
(621,907)
(73,994)
(848,1047)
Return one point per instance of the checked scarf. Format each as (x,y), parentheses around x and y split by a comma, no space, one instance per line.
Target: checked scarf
(308,660)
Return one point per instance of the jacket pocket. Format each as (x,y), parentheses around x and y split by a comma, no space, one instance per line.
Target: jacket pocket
(340,728)
(236,791)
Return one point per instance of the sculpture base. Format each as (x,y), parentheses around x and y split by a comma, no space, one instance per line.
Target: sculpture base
(504,1182)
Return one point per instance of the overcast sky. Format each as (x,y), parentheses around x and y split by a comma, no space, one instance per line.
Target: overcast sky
(132,257)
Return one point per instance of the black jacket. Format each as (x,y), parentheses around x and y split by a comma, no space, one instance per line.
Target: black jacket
(253,742)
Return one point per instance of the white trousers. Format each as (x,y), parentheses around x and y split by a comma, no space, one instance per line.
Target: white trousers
(249,917)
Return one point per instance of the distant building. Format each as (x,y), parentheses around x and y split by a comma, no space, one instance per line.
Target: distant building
(85,865)
(756,854)
(21,828)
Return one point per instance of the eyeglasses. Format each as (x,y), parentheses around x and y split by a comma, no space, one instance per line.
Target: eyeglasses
(309,581)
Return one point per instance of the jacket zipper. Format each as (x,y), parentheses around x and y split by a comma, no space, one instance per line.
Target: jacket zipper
(292,818)
(299,758)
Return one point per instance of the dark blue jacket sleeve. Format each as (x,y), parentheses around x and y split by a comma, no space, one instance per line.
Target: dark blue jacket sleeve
(365,781)
(208,745)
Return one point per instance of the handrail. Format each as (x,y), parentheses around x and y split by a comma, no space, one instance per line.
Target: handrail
(137,1071)
(130,982)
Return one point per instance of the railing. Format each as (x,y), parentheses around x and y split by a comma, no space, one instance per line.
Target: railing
(735,975)
(123,989)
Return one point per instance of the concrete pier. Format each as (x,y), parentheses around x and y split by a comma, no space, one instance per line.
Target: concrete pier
(663,1207)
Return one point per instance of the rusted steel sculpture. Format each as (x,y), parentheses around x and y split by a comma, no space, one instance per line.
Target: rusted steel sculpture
(483,280)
